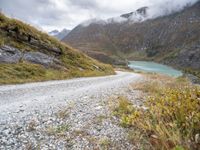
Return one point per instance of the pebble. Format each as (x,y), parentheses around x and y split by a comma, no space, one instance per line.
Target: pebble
(81,129)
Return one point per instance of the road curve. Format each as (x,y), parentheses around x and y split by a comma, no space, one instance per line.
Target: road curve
(26,98)
(28,111)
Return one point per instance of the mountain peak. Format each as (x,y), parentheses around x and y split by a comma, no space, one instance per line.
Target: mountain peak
(141,11)
(60,35)
(54,32)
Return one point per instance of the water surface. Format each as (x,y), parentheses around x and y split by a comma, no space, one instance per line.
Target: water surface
(154,68)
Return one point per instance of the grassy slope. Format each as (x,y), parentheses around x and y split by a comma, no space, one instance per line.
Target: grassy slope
(26,72)
(75,63)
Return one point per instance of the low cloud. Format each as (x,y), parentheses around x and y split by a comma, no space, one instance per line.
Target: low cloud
(59,14)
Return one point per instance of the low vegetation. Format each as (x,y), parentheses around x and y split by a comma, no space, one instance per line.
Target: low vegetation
(59,130)
(192,71)
(170,118)
(9,25)
(105,143)
(27,72)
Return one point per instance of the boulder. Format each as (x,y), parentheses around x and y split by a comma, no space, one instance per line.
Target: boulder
(42,59)
(45,46)
(38,58)
(9,54)
(51,48)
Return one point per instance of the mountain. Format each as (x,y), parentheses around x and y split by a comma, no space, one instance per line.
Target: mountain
(53,33)
(138,15)
(27,55)
(173,39)
(60,35)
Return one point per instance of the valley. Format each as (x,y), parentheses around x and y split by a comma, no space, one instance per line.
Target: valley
(126,79)
(171,39)
(151,67)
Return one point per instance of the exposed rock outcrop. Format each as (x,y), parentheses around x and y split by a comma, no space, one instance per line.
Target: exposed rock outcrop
(29,39)
(41,58)
(9,54)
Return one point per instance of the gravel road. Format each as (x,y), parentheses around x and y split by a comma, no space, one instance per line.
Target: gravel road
(67,114)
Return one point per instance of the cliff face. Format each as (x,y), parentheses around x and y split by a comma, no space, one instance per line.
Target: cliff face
(173,39)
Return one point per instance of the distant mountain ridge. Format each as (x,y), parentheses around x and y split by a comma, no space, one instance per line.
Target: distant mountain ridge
(172,39)
(54,32)
(60,35)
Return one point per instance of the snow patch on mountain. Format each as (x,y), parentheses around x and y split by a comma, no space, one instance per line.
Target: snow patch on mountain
(144,13)
(60,35)
(54,32)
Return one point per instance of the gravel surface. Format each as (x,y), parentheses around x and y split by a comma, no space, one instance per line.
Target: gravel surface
(68,114)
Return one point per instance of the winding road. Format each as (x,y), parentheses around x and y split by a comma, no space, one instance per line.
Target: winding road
(21,103)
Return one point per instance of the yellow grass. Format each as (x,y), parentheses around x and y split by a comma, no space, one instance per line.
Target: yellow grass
(172,117)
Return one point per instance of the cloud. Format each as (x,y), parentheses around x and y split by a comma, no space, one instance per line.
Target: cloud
(168,6)
(84,4)
(59,14)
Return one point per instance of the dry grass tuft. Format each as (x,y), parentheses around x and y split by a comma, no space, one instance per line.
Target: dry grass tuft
(59,130)
(172,117)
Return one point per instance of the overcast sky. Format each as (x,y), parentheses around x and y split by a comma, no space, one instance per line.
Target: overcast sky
(59,14)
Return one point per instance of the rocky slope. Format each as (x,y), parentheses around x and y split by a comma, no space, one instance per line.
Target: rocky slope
(60,35)
(27,54)
(173,39)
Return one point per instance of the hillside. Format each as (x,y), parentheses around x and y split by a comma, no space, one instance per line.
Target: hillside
(173,39)
(27,55)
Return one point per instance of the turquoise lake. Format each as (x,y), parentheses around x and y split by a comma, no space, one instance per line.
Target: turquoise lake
(154,68)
